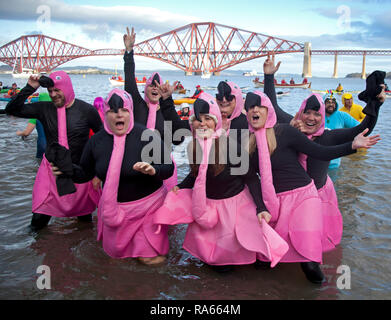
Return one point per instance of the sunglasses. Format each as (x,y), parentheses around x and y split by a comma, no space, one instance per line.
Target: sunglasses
(220,97)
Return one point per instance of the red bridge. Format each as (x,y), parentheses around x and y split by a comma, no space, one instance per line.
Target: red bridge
(198,47)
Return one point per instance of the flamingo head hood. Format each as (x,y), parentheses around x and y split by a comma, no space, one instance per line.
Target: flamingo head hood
(117,99)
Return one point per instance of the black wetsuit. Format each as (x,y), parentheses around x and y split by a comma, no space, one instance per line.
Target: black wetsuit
(317,169)
(225,185)
(80,117)
(140,107)
(287,172)
(133,185)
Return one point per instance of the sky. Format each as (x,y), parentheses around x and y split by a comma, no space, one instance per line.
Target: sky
(332,24)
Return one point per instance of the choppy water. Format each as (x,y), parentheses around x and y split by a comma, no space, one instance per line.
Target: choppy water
(81,270)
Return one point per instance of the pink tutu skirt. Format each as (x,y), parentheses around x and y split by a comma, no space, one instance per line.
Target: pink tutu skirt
(47,201)
(236,237)
(136,236)
(332,218)
(300,224)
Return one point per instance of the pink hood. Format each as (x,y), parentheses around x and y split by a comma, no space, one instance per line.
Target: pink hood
(322,111)
(268,192)
(63,82)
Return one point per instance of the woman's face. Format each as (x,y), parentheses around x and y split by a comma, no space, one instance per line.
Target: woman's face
(257,117)
(312,120)
(226,106)
(118,121)
(206,127)
(152,93)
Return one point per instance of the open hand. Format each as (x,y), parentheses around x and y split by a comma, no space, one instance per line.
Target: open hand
(33,81)
(268,66)
(165,89)
(365,142)
(145,168)
(298,124)
(129,39)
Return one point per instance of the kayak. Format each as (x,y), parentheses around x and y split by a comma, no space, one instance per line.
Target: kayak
(6,97)
(184,100)
(5,90)
(121,82)
(259,84)
(335,92)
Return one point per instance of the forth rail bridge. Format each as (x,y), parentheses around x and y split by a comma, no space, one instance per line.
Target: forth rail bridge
(196,48)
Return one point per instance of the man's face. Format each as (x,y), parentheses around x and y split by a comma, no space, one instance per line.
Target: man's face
(14,86)
(348,103)
(57,97)
(330,105)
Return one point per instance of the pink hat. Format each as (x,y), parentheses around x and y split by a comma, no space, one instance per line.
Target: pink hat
(63,82)
(116,99)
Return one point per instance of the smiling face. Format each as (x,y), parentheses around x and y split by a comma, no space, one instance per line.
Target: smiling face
(312,120)
(118,121)
(330,105)
(226,106)
(206,127)
(57,96)
(257,117)
(348,103)
(152,93)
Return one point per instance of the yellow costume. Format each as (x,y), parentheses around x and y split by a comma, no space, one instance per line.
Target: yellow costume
(355,110)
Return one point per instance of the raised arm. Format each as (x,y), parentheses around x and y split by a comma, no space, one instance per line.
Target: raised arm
(269,69)
(16,107)
(302,144)
(340,136)
(129,67)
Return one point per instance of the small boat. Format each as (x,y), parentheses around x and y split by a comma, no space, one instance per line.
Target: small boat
(250,74)
(6,97)
(184,100)
(118,81)
(180,91)
(335,91)
(388,94)
(206,75)
(260,84)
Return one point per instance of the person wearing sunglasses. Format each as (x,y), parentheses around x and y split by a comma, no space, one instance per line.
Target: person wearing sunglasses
(290,195)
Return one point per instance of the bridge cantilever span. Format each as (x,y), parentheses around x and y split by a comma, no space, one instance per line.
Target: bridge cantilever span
(197,47)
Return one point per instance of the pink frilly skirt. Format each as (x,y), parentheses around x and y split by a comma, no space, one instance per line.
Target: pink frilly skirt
(47,201)
(332,218)
(300,224)
(234,237)
(136,236)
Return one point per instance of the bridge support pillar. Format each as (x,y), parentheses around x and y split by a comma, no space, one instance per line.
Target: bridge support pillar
(307,73)
(197,73)
(217,73)
(188,73)
(363,74)
(335,74)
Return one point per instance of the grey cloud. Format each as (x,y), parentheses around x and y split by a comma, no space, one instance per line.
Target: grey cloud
(116,17)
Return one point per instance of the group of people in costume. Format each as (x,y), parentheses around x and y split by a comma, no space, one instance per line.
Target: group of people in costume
(257,191)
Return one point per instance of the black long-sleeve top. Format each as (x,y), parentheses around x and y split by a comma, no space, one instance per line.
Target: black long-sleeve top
(316,168)
(140,107)
(226,185)
(133,185)
(80,118)
(287,172)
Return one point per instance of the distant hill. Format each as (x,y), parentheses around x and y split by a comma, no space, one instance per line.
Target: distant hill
(358,75)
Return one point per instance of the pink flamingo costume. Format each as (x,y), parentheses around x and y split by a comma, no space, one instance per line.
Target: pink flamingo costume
(45,196)
(225,231)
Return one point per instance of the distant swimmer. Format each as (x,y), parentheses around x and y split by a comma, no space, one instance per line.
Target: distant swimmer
(339,88)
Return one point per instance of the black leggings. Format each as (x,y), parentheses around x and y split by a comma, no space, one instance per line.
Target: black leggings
(39,221)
